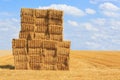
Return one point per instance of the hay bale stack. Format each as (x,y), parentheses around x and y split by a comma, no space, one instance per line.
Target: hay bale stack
(40,45)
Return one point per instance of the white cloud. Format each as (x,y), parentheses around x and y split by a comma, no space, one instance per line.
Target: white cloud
(109,7)
(110,10)
(116,41)
(73,23)
(89,27)
(99,1)
(9,26)
(99,21)
(93,45)
(71,10)
(90,11)
(5,14)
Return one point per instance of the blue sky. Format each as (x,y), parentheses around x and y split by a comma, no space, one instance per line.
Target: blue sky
(88,24)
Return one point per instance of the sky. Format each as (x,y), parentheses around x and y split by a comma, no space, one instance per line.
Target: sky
(88,24)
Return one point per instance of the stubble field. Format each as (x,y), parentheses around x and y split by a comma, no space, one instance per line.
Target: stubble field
(84,65)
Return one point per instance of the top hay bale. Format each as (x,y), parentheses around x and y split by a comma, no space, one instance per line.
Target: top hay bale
(42,13)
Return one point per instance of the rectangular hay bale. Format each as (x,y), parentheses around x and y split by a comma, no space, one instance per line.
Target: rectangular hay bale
(26,35)
(27,11)
(35,66)
(62,67)
(41,29)
(35,43)
(55,14)
(56,37)
(21,65)
(55,29)
(34,51)
(27,27)
(27,19)
(62,59)
(55,22)
(64,44)
(49,44)
(63,51)
(40,36)
(49,60)
(41,22)
(19,43)
(41,13)
(20,58)
(19,51)
(47,66)
(35,59)
(49,52)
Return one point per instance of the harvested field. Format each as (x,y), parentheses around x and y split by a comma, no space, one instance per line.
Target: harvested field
(84,65)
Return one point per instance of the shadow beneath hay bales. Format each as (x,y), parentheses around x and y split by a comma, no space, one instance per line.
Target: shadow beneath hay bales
(7,67)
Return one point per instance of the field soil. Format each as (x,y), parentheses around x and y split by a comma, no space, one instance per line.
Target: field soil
(84,65)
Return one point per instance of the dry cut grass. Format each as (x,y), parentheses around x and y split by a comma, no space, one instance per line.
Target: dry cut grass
(84,65)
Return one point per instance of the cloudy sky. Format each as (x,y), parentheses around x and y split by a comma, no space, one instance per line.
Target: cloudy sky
(88,24)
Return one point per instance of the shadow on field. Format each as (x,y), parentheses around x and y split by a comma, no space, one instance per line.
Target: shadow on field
(7,66)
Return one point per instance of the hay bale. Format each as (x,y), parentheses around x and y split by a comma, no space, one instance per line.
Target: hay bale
(27,27)
(55,29)
(35,66)
(56,37)
(55,22)
(35,59)
(35,51)
(48,44)
(49,52)
(62,67)
(35,43)
(19,43)
(21,65)
(62,59)
(55,14)
(41,22)
(41,36)
(26,35)
(47,67)
(41,29)
(64,44)
(27,19)
(27,11)
(63,51)
(20,58)
(19,51)
(49,60)
(40,13)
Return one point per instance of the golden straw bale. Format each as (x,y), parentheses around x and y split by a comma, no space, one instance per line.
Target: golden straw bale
(41,36)
(27,19)
(26,35)
(35,43)
(19,51)
(55,22)
(20,58)
(55,29)
(41,13)
(35,59)
(27,11)
(49,44)
(19,43)
(64,44)
(56,37)
(27,27)
(34,51)
(41,22)
(41,29)
(21,65)
(55,14)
